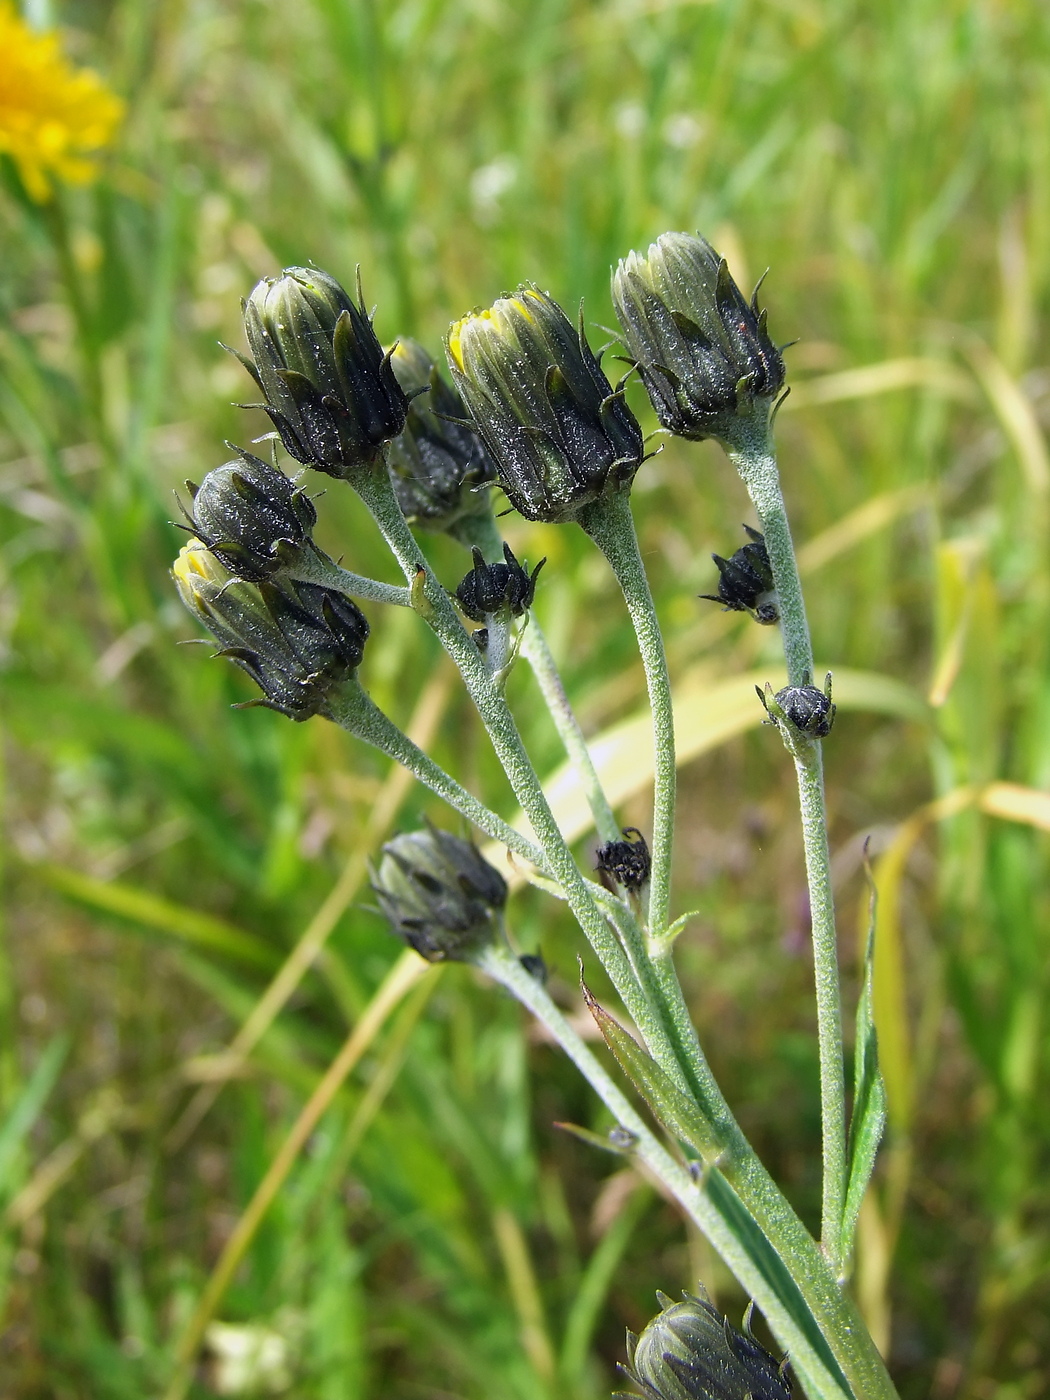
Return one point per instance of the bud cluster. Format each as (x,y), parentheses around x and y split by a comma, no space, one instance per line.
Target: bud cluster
(628,862)
(492,590)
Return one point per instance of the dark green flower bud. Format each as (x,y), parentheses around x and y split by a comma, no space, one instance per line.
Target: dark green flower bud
(745,581)
(690,1352)
(440,896)
(701,349)
(560,434)
(439,465)
(244,509)
(329,388)
(490,589)
(298,642)
(628,862)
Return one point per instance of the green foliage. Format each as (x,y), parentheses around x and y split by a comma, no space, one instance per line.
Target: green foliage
(164,852)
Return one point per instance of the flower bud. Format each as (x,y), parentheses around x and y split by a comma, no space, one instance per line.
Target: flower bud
(561,436)
(745,581)
(804,707)
(689,1352)
(329,388)
(808,709)
(701,349)
(438,463)
(490,589)
(244,509)
(627,861)
(297,641)
(440,896)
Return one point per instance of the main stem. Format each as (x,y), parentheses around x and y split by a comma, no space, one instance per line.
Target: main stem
(705,1201)
(610,524)
(756,462)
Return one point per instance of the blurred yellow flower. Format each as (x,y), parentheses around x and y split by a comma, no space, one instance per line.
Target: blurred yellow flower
(51,113)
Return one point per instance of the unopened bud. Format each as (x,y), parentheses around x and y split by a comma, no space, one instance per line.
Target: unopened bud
(701,348)
(745,581)
(298,642)
(439,465)
(491,590)
(329,388)
(439,894)
(628,862)
(244,509)
(560,434)
(690,1352)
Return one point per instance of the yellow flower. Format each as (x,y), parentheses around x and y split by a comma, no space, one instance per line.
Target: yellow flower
(52,115)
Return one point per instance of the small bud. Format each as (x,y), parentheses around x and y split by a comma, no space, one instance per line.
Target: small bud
(244,509)
(745,582)
(329,389)
(438,463)
(440,896)
(803,706)
(491,589)
(627,861)
(297,641)
(560,434)
(701,349)
(690,1352)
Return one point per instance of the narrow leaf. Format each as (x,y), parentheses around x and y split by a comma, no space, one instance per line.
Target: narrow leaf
(27,1106)
(868,1119)
(150,910)
(674,1109)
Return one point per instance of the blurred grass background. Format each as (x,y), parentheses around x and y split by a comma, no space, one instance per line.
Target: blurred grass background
(438,1237)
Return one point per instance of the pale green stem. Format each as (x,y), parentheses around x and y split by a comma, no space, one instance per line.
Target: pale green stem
(610,524)
(756,462)
(314,566)
(484,533)
(433,603)
(355,711)
(709,1203)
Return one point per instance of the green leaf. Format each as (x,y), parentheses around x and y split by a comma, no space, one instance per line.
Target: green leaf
(27,1107)
(674,1109)
(868,1119)
(150,910)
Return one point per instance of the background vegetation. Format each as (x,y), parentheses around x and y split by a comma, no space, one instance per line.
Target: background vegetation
(438,1237)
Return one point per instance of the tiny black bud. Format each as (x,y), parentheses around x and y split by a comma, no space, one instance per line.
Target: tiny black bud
(745,581)
(627,861)
(808,708)
(534,965)
(491,589)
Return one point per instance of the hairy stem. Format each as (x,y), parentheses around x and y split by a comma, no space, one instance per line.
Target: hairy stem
(484,533)
(839,1362)
(610,524)
(433,603)
(356,712)
(756,462)
(314,566)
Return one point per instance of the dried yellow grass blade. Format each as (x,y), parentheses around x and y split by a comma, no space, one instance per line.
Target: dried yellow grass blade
(913,372)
